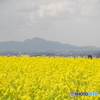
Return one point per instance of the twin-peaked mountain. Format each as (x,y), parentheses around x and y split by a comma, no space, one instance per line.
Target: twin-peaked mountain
(38,44)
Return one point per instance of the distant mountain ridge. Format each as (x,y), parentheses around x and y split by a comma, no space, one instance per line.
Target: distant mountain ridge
(41,45)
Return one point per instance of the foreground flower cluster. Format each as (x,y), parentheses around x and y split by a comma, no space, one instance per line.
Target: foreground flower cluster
(48,78)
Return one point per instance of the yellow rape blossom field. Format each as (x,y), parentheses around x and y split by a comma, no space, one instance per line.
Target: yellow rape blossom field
(48,78)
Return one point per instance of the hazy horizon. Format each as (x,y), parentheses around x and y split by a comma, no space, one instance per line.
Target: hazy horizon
(46,40)
(74,22)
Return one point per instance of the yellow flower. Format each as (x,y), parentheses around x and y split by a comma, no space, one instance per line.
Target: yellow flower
(48,78)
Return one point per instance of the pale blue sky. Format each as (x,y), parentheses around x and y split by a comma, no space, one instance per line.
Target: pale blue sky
(76,22)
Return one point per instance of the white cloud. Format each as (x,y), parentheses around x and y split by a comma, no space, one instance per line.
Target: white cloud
(54,8)
(89,1)
(53,12)
(87,10)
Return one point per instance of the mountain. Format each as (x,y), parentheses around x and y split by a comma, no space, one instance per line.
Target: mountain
(38,44)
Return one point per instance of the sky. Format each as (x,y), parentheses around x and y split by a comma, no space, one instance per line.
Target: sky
(75,22)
